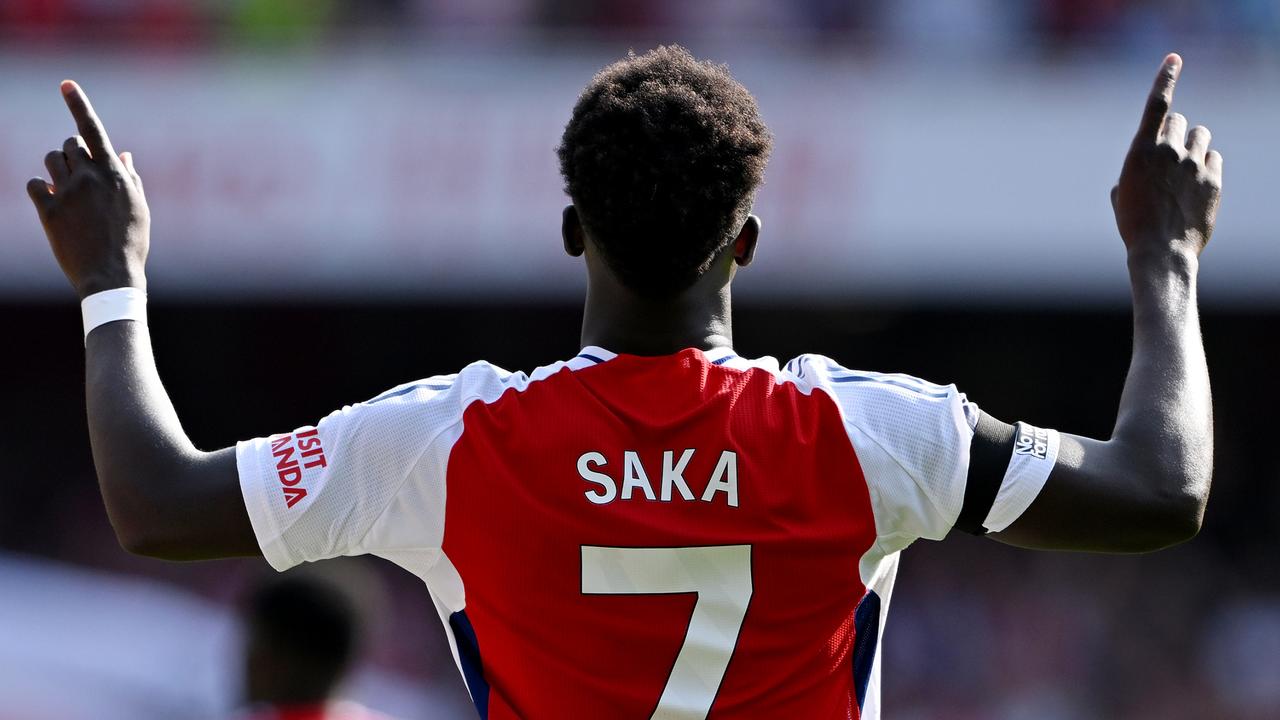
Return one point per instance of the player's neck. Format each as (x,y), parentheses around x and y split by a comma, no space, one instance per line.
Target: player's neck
(620,321)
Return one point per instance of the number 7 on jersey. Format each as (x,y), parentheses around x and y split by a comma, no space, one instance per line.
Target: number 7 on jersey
(719,575)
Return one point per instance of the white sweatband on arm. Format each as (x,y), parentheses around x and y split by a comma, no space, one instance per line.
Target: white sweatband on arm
(126,303)
(1035,450)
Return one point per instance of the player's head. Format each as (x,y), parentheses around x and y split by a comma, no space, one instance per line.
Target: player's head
(302,636)
(662,158)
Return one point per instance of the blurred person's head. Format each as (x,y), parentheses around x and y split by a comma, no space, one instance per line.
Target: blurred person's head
(662,158)
(303,632)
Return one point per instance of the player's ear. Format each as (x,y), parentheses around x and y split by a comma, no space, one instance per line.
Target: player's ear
(571,232)
(744,246)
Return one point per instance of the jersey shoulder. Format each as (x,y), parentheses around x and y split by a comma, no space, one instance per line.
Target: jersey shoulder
(478,378)
(481,380)
(866,394)
(912,440)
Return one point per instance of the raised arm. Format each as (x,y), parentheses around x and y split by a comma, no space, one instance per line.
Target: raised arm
(1146,487)
(165,498)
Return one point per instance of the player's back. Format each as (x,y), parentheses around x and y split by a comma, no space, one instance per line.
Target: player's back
(681,536)
(664,533)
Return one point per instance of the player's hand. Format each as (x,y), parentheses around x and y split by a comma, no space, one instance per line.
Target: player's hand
(1167,197)
(93,209)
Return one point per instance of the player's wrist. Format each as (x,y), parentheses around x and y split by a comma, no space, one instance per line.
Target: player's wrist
(1173,259)
(110,280)
(113,305)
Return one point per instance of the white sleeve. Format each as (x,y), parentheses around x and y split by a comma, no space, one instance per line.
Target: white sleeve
(911,438)
(367,478)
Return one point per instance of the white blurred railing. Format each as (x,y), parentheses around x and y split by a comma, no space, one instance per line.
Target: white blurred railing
(80,644)
(429,173)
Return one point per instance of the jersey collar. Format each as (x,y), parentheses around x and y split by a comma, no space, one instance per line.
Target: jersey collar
(594,355)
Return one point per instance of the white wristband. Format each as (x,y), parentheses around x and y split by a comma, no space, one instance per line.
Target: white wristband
(126,303)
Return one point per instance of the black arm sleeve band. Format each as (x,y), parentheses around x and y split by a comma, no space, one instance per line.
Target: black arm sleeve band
(989,456)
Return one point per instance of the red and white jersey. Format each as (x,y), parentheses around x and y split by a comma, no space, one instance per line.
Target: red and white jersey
(686,536)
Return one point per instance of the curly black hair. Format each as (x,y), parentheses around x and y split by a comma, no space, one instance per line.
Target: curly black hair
(662,158)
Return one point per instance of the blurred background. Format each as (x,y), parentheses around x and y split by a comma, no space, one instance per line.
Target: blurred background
(350,194)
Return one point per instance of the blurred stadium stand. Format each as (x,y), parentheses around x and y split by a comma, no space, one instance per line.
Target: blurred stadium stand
(1025,27)
(349,194)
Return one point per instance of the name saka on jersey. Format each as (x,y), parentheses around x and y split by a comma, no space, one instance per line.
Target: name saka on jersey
(724,479)
(584,536)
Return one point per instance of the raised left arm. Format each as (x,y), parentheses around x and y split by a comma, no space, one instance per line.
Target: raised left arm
(164,497)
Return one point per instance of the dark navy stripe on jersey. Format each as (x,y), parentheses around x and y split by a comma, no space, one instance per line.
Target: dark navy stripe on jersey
(723,360)
(897,377)
(866,629)
(407,390)
(592,358)
(889,381)
(472,665)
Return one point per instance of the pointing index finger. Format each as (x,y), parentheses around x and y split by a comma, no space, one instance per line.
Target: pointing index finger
(1160,99)
(87,122)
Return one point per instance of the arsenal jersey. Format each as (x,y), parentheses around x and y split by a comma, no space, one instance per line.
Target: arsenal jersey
(696,535)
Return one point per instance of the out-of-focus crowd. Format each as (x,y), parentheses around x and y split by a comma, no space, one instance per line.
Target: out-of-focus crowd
(1030,636)
(1032,27)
